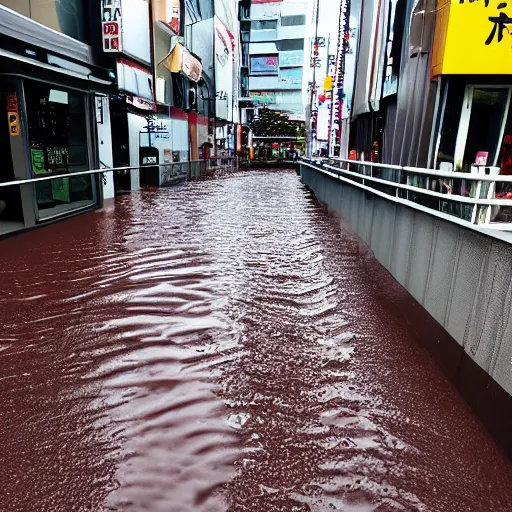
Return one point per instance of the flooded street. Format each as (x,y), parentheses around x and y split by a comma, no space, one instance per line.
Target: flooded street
(223,346)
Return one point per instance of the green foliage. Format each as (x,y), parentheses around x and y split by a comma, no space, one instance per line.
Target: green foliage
(272,123)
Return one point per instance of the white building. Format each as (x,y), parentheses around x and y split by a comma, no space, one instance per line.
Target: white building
(274,35)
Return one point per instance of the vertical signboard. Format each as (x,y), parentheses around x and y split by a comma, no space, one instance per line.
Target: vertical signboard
(223,71)
(11,101)
(111,23)
(226,58)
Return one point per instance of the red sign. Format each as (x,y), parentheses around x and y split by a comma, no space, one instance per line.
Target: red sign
(11,101)
(111,29)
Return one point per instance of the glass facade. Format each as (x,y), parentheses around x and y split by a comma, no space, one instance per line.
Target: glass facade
(58,142)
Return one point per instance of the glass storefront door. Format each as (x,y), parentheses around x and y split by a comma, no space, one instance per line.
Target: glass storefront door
(482,124)
(59,146)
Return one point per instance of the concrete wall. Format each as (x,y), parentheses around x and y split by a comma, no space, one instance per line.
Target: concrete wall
(462,278)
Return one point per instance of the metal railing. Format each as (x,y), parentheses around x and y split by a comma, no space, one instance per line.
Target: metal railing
(191,169)
(481,197)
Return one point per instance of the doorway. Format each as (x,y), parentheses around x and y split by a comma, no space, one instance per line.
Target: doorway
(482,123)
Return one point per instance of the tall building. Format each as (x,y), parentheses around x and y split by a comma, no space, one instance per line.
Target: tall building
(274,53)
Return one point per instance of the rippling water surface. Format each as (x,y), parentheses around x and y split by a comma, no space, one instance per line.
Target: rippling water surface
(223,346)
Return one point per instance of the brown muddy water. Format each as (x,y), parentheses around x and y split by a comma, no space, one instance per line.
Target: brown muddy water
(223,346)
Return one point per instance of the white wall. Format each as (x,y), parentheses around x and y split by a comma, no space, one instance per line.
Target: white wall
(179,137)
(293,32)
(263,35)
(265,11)
(105,145)
(136,124)
(460,277)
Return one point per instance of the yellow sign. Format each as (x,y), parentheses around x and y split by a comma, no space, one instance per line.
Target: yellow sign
(14,124)
(328,83)
(473,38)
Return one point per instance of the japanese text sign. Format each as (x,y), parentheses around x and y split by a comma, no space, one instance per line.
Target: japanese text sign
(473,37)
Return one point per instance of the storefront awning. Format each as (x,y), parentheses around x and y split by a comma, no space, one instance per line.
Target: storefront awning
(80,72)
(180,60)
(29,31)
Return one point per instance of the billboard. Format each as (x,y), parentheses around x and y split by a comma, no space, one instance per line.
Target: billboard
(472,38)
(290,78)
(264,65)
(227,59)
(263,97)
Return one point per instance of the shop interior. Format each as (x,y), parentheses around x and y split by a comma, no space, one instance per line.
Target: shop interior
(57,125)
(463,145)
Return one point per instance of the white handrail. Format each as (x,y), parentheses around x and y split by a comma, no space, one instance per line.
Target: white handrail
(101,171)
(481,206)
(419,170)
(425,191)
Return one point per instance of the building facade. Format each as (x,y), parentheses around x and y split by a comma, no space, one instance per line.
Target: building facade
(274,36)
(417,89)
(91,84)
(51,84)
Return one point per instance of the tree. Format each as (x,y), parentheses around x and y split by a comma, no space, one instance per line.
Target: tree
(272,123)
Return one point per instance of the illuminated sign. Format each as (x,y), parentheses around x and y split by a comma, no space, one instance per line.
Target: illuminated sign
(473,38)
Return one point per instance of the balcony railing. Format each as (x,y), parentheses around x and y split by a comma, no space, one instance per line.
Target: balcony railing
(482,197)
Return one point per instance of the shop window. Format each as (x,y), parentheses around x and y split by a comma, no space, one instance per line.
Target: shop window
(59,146)
(264,25)
(488,110)
(293,21)
(454,95)
(482,122)
(288,45)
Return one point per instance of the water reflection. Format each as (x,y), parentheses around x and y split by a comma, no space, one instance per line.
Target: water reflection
(222,346)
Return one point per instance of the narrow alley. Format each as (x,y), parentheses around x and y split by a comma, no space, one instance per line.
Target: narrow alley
(225,345)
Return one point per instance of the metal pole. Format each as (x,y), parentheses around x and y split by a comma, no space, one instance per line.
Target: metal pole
(313,84)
